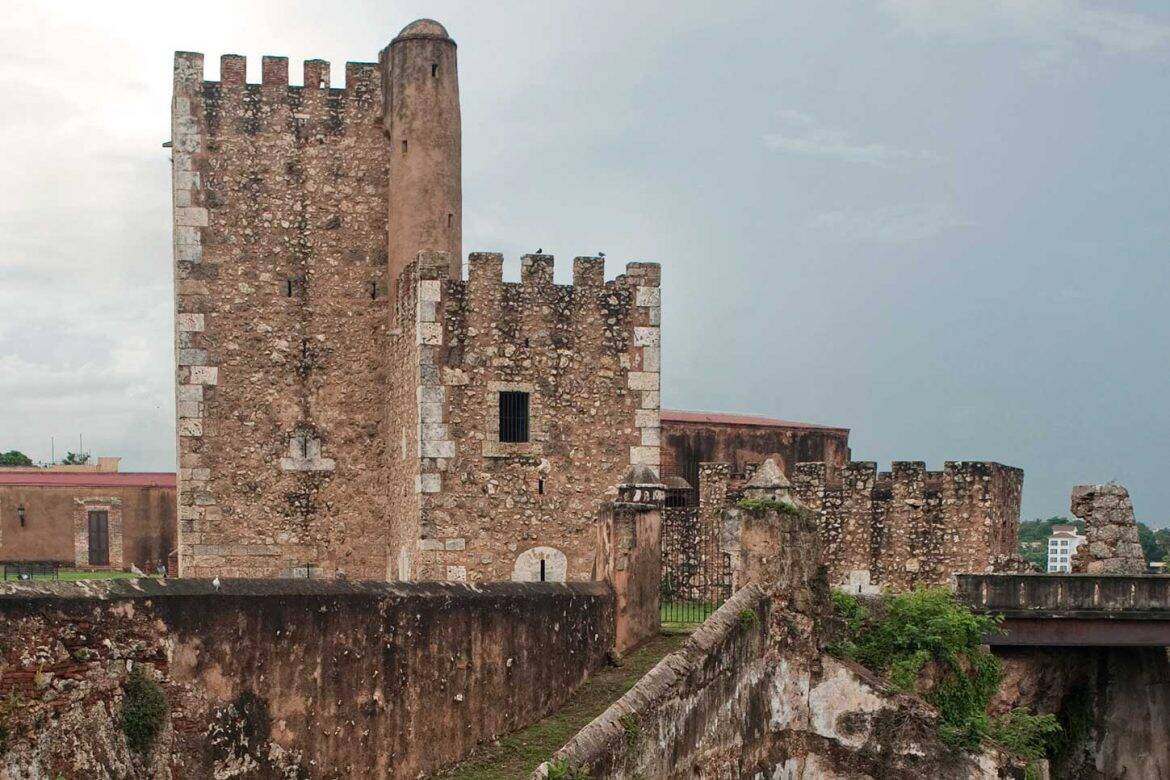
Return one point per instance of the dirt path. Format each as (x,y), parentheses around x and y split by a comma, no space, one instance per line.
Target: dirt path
(516,755)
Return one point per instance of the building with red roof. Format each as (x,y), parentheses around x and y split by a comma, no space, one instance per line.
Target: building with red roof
(89,516)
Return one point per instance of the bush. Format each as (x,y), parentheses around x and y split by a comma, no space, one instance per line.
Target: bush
(144,709)
(562,770)
(1023,733)
(929,626)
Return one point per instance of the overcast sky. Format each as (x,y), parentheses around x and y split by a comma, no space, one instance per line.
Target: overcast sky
(943,224)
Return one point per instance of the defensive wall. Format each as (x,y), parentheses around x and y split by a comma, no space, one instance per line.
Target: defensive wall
(909,526)
(898,528)
(290,678)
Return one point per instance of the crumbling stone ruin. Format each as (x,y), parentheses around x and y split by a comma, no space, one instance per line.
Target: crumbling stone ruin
(1111,543)
(348,400)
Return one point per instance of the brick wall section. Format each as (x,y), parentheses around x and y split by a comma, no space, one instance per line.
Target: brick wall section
(281,319)
(288,678)
(910,526)
(588,354)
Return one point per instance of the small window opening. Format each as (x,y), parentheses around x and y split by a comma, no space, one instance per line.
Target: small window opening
(450,219)
(288,288)
(542,578)
(540,486)
(513,416)
(434,69)
(404,146)
(374,290)
(526,343)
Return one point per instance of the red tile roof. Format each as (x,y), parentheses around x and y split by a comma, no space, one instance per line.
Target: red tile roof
(42,478)
(721,418)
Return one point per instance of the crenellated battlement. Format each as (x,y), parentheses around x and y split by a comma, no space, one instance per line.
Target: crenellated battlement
(483,287)
(909,525)
(233,68)
(535,271)
(296,107)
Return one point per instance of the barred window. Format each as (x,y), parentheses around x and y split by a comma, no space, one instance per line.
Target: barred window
(513,416)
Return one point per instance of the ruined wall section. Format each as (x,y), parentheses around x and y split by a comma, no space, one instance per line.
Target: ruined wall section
(280,199)
(287,678)
(587,354)
(910,526)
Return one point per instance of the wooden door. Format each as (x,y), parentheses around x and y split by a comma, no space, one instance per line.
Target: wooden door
(99,538)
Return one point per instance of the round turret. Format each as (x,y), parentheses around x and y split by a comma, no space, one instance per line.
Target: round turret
(422,120)
(423,28)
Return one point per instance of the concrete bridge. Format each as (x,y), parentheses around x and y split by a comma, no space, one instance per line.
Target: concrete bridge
(1073,610)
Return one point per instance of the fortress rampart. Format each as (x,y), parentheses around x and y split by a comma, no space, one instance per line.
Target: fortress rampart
(909,526)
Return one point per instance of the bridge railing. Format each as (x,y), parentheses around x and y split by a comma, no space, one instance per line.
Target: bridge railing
(1066,594)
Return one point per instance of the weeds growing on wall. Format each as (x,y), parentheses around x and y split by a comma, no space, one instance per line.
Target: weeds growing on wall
(771,504)
(930,626)
(561,769)
(144,709)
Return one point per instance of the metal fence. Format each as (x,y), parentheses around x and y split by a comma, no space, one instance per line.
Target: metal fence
(696,573)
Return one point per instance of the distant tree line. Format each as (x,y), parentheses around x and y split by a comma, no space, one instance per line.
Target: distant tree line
(18,458)
(1034,539)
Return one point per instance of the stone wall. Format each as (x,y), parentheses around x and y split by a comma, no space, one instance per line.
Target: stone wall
(751,695)
(1113,702)
(910,526)
(588,356)
(289,679)
(281,319)
(1111,543)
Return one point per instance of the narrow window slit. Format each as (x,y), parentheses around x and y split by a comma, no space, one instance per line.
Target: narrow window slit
(373,291)
(404,146)
(540,486)
(542,579)
(434,69)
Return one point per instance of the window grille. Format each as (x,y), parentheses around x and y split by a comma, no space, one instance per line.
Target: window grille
(513,416)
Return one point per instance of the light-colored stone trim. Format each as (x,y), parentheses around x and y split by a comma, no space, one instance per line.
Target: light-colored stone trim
(194,369)
(112,506)
(645,378)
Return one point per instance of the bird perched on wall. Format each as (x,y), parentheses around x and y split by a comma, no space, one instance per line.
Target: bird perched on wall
(215,582)
(601,254)
(540,250)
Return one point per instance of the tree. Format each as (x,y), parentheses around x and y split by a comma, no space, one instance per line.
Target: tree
(15,458)
(1152,546)
(75,459)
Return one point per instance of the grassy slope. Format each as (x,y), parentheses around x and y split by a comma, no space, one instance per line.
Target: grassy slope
(516,755)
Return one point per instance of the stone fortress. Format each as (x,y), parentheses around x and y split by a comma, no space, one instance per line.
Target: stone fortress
(355,401)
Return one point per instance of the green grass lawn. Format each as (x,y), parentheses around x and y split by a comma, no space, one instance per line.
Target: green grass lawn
(686,615)
(74,575)
(516,755)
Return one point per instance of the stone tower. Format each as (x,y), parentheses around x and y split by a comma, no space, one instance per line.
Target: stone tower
(422,121)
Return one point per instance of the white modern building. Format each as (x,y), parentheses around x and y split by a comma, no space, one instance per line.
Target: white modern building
(1061,545)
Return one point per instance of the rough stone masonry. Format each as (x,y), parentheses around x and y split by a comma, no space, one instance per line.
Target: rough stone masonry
(1111,543)
(339,380)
